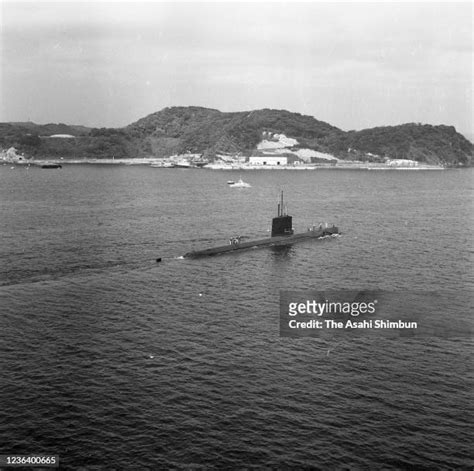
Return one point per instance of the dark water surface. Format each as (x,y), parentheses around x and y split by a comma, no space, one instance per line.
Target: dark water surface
(113,361)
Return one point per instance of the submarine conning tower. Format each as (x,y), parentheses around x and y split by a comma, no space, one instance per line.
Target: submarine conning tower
(282,224)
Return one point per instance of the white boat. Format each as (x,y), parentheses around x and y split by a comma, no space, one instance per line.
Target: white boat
(163,165)
(239,184)
(183,164)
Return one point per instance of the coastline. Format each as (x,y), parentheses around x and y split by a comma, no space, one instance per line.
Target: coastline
(240,167)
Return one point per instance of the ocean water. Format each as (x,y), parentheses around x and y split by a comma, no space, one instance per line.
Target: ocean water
(113,361)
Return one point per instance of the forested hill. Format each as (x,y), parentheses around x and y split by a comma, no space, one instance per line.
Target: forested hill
(420,142)
(209,131)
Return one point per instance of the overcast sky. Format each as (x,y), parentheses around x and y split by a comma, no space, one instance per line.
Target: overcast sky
(354,65)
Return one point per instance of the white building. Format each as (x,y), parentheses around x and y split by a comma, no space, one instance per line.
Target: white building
(268,160)
(402,163)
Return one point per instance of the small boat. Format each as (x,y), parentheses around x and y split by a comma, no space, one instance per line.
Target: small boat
(51,166)
(230,182)
(183,164)
(200,163)
(239,184)
(163,165)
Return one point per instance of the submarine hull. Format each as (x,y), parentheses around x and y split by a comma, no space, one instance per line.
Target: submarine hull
(268,242)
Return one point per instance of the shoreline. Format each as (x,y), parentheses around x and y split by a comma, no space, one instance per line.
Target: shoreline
(302,167)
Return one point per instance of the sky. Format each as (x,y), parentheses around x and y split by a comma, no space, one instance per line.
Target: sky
(353,65)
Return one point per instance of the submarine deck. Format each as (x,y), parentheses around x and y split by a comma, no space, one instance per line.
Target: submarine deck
(268,242)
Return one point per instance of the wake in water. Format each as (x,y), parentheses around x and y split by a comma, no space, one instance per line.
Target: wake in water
(27,275)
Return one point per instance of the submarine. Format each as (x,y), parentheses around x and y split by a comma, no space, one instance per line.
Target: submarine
(282,235)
